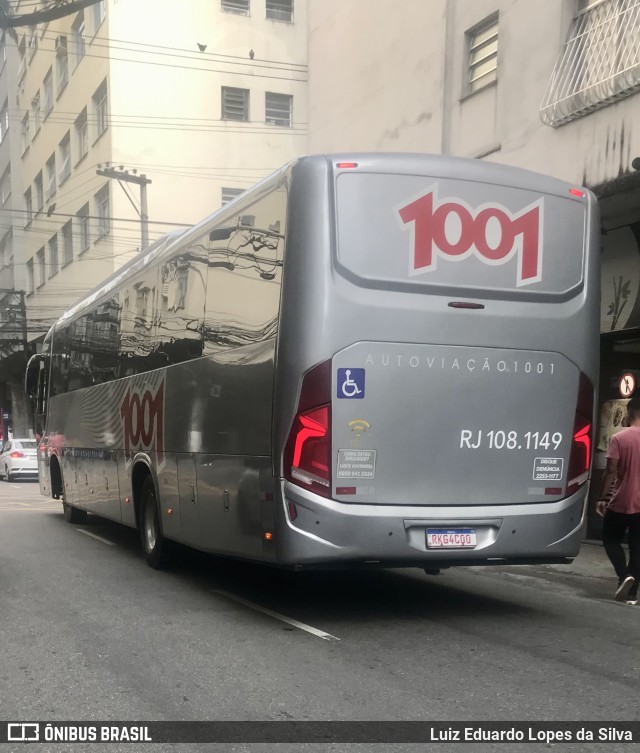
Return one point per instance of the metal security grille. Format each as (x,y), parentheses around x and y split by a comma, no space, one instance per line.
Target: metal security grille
(235,103)
(483,55)
(599,63)
(280,10)
(236,6)
(278,109)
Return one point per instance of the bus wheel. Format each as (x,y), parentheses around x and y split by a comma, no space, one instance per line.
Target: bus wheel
(154,545)
(72,514)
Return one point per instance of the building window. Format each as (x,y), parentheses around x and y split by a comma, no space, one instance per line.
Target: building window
(6,249)
(51,177)
(62,62)
(22,53)
(65,158)
(99,12)
(77,33)
(278,109)
(37,113)
(48,92)
(53,255)
(4,121)
(241,7)
(28,205)
(82,221)
(235,104)
(82,134)
(100,108)
(102,210)
(33,43)
(67,243)
(228,194)
(5,186)
(24,132)
(41,267)
(280,10)
(39,192)
(483,55)
(3,49)
(31,285)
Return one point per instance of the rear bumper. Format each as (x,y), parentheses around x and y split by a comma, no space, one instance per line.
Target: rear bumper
(24,470)
(330,533)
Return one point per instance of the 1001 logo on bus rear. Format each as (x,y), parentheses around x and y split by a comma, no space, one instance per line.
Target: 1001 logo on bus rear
(451,229)
(143,420)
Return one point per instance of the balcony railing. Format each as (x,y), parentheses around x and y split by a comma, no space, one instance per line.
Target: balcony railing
(599,63)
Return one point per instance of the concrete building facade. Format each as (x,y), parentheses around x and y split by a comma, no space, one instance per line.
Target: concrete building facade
(13,323)
(197,102)
(549,86)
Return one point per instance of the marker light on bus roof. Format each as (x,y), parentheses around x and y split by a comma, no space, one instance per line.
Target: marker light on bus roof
(577,192)
(346,165)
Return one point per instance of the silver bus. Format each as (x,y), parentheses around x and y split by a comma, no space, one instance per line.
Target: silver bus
(366,359)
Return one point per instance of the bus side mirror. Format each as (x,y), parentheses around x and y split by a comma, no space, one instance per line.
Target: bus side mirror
(32,376)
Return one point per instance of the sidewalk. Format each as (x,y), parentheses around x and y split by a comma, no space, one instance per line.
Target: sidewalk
(592,562)
(590,574)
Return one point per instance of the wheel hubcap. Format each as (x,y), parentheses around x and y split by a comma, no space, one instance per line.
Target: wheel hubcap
(150,526)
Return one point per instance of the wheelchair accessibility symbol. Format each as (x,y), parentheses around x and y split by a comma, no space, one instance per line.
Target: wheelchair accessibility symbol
(351,383)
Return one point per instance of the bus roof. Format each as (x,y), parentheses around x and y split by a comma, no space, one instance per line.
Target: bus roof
(378,162)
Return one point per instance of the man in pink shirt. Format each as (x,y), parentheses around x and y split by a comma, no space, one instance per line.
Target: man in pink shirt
(622,513)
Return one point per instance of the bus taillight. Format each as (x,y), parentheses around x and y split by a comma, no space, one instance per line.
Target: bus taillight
(310,457)
(581,445)
(308,452)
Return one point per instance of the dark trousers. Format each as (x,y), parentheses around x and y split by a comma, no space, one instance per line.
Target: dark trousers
(615,525)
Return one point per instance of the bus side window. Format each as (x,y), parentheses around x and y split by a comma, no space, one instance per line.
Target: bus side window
(245,274)
(41,404)
(60,362)
(103,341)
(138,340)
(79,359)
(181,303)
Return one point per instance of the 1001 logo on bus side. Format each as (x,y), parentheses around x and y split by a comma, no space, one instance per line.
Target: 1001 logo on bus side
(491,232)
(143,420)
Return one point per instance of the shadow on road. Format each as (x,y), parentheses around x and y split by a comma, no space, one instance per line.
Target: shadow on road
(338,596)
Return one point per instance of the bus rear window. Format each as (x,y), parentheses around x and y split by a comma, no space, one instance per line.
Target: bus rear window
(408,231)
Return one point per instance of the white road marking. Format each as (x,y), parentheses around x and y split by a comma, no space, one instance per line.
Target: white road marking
(28,509)
(276,616)
(95,536)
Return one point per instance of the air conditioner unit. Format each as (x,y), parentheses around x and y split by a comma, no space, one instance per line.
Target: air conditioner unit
(61,46)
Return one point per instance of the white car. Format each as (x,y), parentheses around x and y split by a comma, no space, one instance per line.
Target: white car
(19,457)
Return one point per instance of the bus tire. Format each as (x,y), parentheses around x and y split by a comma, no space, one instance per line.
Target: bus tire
(155,547)
(73,514)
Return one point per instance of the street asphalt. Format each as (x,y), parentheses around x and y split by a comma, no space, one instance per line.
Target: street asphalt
(90,632)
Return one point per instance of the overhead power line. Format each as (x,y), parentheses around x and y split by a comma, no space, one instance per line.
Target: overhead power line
(191,67)
(180,52)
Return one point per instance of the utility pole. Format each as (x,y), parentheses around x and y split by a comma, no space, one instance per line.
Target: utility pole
(124,176)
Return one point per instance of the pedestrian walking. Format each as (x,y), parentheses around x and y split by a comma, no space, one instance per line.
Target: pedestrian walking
(622,511)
